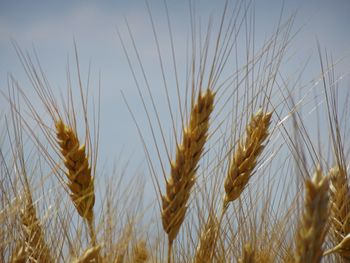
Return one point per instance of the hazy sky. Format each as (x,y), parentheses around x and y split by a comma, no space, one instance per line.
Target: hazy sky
(50,27)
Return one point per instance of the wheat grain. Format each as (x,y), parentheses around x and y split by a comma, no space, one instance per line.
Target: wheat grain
(313,225)
(245,157)
(183,169)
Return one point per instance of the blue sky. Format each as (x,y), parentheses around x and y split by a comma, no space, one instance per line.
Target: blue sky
(50,27)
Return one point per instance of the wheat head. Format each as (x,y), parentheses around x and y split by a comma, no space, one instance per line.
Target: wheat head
(141,254)
(91,255)
(80,180)
(246,155)
(36,248)
(19,254)
(248,255)
(340,203)
(313,227)
(183,168)
(342,249)
(206,247)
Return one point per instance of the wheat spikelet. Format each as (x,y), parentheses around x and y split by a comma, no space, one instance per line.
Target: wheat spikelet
(80,181)
(91,255)
(140,252)
(206,246)
(340,204)
(313,225)
(183,168)
(248,255)
(342,249)
(36,249)
(245,157)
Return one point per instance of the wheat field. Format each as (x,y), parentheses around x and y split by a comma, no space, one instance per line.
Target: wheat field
(243,160)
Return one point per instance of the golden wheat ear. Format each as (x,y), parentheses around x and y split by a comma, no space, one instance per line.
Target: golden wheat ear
(340,212)
(342,249)
(140,252)
(340,203)
(91,255)
(35,245)
(248,255)
(205,251)
(18,254)
(80,181)
(183,168)
(313,225)
(245,156)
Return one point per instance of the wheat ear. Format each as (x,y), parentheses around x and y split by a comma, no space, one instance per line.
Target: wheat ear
(35,245)
(245,156)
(340,208)
(313,225)
(19,254)
(248,255)
(140,253)
(91,255)
(206,247)
(183,168)
(80,181)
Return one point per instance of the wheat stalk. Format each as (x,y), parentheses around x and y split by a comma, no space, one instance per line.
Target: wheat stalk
(36,248)
(313,225)
(183,168)
(80,181)
(245,156)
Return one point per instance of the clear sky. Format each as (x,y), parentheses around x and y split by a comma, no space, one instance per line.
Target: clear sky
(50,27)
